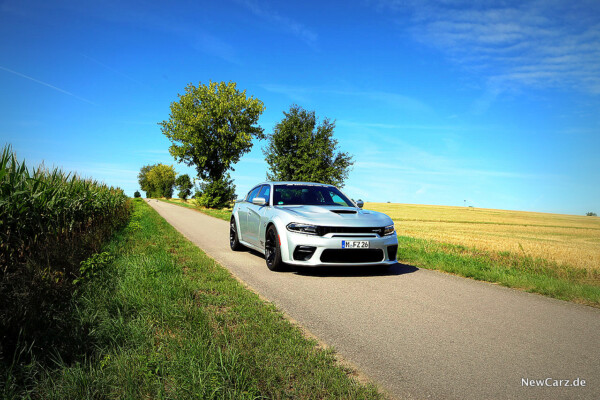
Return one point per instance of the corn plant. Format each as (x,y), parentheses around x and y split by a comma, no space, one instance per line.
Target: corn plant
(50,221)
(43,208)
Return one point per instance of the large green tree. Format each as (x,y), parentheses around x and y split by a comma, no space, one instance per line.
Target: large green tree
(210,128)
(299,149)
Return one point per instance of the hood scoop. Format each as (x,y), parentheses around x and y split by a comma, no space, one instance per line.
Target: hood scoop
(344,211)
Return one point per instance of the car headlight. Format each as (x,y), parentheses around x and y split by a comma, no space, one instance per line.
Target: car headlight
(302,228)
(388,230)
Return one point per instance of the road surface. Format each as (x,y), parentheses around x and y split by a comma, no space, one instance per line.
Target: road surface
(424,334)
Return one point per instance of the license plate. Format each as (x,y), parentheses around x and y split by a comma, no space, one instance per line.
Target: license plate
(355,244)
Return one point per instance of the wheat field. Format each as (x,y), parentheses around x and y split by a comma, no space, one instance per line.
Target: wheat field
(566,239)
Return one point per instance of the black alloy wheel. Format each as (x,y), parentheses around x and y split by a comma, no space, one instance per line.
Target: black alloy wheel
(234,241)
(273,250)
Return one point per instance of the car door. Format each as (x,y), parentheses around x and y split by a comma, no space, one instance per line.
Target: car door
(263,214)
(243,213)
(253,220)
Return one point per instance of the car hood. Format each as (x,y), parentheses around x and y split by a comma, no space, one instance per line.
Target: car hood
(334,216)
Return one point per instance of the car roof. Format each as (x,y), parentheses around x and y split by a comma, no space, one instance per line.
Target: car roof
(293,183)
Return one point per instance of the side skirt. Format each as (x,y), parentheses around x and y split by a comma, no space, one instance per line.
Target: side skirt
(253,247)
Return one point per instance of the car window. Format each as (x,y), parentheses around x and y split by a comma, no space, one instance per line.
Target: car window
(309,195)
(337,199)
(265,192)
(252,194)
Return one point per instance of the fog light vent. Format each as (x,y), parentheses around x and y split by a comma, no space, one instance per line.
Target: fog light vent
(304,253)
(392,250)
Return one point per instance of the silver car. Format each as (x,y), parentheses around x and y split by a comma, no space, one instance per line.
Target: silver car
(310,224)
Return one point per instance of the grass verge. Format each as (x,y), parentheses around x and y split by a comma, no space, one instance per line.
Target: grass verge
(508,269)
(224,213)
(168,322)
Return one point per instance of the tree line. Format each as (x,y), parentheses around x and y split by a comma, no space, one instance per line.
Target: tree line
(212,126)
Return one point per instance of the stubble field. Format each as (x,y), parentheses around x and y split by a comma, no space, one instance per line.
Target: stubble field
(565,239)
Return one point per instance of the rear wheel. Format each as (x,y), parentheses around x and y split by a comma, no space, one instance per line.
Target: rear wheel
(273,250)
(234,241)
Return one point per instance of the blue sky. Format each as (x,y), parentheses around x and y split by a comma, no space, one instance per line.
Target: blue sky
(439,102)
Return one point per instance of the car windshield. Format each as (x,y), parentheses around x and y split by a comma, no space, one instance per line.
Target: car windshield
(284,195)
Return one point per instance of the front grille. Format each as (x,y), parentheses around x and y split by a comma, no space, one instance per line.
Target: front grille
(324,230)
(351,255)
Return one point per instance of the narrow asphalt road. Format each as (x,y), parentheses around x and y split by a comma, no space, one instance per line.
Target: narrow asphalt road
(420,333)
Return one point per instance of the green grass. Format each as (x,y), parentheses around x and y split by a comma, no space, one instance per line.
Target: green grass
(224,213)
(508,269)
(166,321)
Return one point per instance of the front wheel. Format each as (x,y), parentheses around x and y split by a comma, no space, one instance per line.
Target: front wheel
(234,241)
(273,250)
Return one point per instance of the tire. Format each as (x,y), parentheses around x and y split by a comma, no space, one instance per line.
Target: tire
(234,241)
(273,250)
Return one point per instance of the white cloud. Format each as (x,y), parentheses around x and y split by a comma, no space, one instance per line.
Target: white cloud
(532,43)
(287,24)
(396,100)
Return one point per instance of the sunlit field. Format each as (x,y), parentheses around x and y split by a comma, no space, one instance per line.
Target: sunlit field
(565,239)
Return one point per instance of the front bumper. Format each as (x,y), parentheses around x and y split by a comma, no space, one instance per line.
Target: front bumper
(328,250)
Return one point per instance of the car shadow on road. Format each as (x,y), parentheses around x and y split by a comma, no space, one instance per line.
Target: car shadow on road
(355,270)
(347,270)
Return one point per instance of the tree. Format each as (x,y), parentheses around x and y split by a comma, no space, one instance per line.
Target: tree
(184,184)
(210,128)
(137,194)
(591,214)
(161,180)
(301,150)
(143,179)
(217,194)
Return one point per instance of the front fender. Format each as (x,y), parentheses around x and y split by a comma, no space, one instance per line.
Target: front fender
(236,217)
(280,224)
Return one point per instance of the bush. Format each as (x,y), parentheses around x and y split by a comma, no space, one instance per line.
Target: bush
(591,214)
(217,194)
(137,194)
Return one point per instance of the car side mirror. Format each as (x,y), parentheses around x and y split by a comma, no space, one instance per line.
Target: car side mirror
(360,203)
(259,201)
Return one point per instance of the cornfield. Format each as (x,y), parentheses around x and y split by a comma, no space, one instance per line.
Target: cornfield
(44,207)
(50,221)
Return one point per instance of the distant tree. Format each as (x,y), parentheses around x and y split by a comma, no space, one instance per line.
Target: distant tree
(161,180)
(184,184)
(591,214)
(143,179)
(210,128)
(301,150)
(137,194)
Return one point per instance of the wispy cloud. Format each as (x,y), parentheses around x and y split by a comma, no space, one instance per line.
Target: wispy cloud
(396,100)
(531,43)
(296,94)
(378,125)
(46,84)
(285,23)
(112,69)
